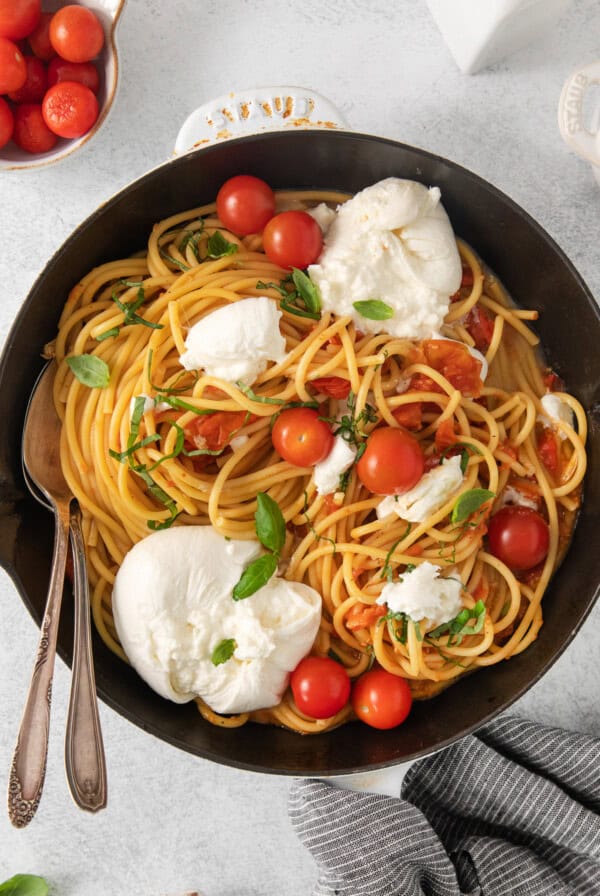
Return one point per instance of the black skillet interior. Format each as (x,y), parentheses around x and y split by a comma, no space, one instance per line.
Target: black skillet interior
(538,276)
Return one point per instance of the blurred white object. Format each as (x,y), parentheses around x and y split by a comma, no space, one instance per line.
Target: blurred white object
(582,136)
(480,32)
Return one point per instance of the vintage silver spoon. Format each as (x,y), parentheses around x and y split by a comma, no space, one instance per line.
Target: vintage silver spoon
(84,750)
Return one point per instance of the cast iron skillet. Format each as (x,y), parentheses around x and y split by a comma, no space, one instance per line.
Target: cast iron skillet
(531,266)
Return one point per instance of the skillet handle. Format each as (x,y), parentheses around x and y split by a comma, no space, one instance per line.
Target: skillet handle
(253,111)
(586,143)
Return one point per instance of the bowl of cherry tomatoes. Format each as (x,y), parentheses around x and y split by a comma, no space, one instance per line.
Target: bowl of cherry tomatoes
(58,77)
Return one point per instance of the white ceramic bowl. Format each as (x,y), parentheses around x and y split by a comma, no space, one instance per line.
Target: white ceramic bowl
(109,13)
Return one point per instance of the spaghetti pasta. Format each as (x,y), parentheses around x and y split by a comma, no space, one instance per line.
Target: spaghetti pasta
(134,314)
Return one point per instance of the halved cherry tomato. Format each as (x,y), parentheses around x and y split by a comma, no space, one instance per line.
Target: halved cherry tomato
(321,687)
(18,18)
(70,109)
(518,536)
(76,33)
(381,699)
(547,446)
(410,416)
(333,386)
(13,71)
(393,462)
(7,122)
(36,82)
(301,437)
(481,327)
(31,131)
(39,39)
(213,431)
(293,240)
(245,204)
(455,362)
(84,73)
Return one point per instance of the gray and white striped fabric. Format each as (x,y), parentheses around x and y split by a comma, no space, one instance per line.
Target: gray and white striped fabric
(511,811)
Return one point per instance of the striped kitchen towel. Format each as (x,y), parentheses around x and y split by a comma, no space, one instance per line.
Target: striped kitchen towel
(513,810)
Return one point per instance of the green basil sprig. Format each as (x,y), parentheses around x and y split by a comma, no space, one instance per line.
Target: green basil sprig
(374,309)
(90,370)
(469,502)
(24,885)
(270,530)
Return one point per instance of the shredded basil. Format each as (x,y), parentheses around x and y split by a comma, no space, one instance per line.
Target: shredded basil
(387,570)
(458,627)
(114,331)
(223,651)
(129,309)
(171,260)
(296,288)
(374,309)
(90,370)
(219,247)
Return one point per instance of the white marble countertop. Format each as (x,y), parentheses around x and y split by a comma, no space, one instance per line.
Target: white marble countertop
(175,822)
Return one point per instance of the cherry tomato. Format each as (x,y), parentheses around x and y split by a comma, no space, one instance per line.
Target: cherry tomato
(13,70)
(39,39)
(70,109)
(84,73)
(293,240)
(393,462)
(245,204)
(381,699)
(7,122)
(36,81)
(518,536)
(301,438)
(31,132)
(321,687)
(18,18)
(333,386)
(76,33)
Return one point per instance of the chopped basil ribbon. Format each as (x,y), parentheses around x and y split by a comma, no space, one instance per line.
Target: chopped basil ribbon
(171,260)
(129,309)
(469,502)
(270,529)
(114,331)
(265,399)
(24,885)
(269,523)
(387,569)
(465,447)
(374,309)
(255,576)
(90,370)
(219,247)
(223,651)
(458,627)
(191,239)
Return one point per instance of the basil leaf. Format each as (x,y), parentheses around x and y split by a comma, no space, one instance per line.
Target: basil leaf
(307,290)
(90,370)
(24,885)
(469,502)
(219,247)
(263,399)
(374,309)
(223,652)
(269,522)
(299,312)
(255,576)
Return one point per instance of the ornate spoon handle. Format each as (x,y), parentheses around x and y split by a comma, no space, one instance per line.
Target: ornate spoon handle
(28,768)
(84,749)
